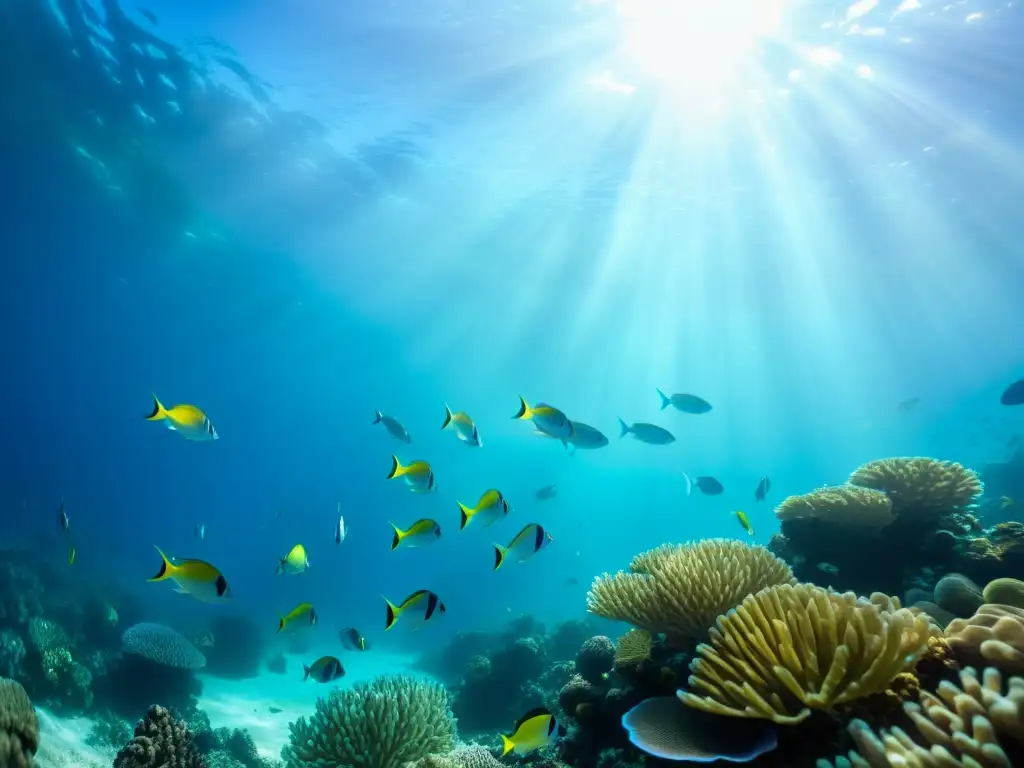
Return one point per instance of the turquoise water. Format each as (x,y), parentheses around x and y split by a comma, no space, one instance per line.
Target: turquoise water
(292,214)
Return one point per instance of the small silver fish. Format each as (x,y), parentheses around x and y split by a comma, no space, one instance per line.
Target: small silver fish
(65,524)
(340,532)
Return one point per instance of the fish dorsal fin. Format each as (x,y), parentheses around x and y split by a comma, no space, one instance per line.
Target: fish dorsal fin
(537,712)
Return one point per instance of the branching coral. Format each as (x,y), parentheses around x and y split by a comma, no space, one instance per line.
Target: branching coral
(681,590)
(921,485)
(790,649)
(971,725)
(633,648)
(993,635)
(845,505)
(19,728)
(385,723)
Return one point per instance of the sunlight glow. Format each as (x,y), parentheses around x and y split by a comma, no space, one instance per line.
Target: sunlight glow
(697,46)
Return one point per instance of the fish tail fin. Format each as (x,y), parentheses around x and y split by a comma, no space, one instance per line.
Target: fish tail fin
(392,615)
(158,412)
(280,567)
(397,470)
(507,745)
(623,428)
(305,673)
(166,566)
(280,624)
(666,401)
(465,513)
(524,410)
(499,555)
(377,416)
(398,536)
(447,416)
(689,484)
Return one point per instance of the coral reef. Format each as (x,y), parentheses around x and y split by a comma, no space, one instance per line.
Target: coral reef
(384,723)
(993,635)
(790,649)
(921,486)
(958,595)
(681,590)
(595,659)
(976,724)
(19,728)
(914,515)
(633,648)
(160,741)
(463,756)
(1005,592)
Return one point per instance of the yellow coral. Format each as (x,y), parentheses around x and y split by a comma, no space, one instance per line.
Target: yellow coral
(842,505)
(993,635)
(633,648)
(681,590)
(921,485)
(790,649)
(962,725)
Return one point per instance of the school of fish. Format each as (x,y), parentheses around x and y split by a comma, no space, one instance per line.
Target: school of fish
(204,582)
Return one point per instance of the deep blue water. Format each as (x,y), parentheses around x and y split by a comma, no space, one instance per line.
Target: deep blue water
(399,205)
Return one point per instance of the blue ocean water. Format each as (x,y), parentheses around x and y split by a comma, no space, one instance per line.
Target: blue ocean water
(294,213)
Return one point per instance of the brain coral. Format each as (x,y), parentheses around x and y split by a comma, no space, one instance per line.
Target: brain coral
(681,590)
(1005,592)
(921,486)
(993,635)
(970,725)
(19,728)
(840,505)
(790,649)
(162,645)
(384,723)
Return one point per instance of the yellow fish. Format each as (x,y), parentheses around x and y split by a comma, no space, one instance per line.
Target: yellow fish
(301,615)
(491,508)
(197,578)
(546,419)
(418,476)
(294,562)
(419,534)
(420,607)
(536,729)
(71,555)
(744,521)
(463,425)
(187,420)
(528,542)
(1005,502)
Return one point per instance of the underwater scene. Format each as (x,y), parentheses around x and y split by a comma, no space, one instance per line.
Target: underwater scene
(481,383)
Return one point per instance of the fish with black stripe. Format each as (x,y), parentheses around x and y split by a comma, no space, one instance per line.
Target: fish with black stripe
(416,610)
(528,542)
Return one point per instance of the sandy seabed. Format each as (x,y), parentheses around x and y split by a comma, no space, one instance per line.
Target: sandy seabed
(244,704)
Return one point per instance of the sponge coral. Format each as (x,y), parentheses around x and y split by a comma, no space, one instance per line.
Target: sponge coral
(790,649)
(19,728)
(969,725)
(842,505)
(385,723)
(681,590)
(921,485)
